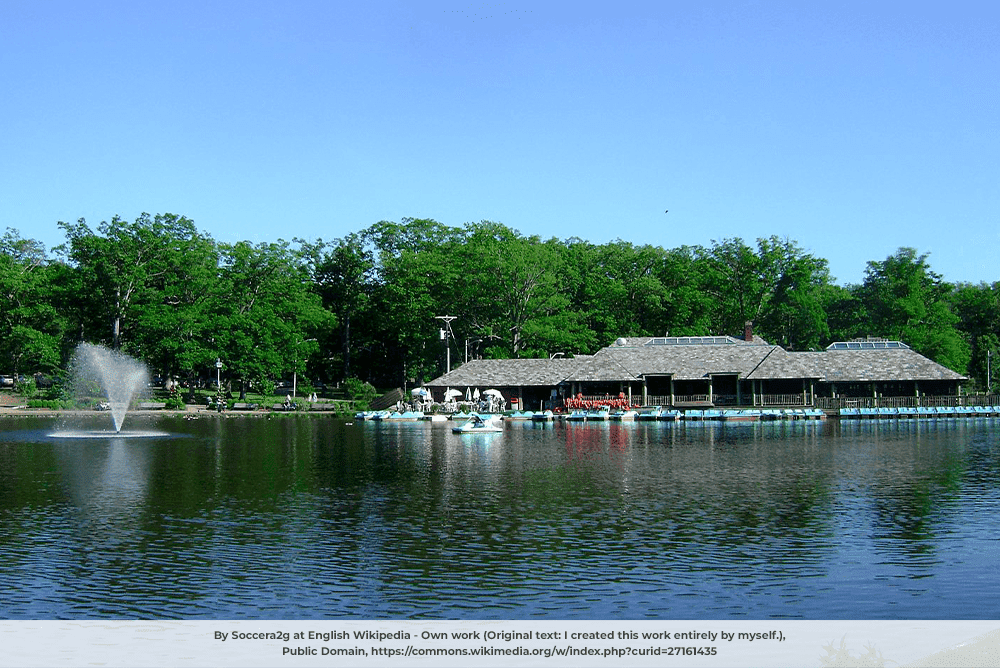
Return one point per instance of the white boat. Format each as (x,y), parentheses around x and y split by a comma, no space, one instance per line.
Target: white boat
(579,415)
(625,415)
(599,414)
(372,415)
(479,425)
(541,416)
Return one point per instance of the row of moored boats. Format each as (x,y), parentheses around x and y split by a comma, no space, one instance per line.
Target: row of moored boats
(919,412)
(473,421)
(659,413)
(653,413)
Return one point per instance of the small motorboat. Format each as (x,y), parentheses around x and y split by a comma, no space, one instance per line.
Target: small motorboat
(479,425)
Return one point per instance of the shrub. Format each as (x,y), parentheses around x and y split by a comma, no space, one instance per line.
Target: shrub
(266,387)
(174,400)
(360,391)
(25,387)
(54,404)
(175,403)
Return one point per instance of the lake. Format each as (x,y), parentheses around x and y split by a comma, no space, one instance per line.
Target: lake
(307,517)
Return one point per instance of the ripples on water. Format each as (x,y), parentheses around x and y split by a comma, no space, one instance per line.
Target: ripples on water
(310,518)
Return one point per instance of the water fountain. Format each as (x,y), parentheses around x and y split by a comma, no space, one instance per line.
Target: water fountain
(121,378)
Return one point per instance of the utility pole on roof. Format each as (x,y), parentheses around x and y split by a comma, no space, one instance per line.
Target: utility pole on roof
(445,333)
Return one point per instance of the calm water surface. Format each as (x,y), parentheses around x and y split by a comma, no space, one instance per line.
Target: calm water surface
(305,517)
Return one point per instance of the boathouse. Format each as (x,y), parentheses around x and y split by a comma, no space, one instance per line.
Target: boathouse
(695,371)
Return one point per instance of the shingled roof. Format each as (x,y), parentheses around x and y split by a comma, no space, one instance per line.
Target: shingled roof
(839,366)
(692,359)
(510,373)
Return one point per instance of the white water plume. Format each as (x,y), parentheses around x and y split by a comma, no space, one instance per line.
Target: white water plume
(121,378)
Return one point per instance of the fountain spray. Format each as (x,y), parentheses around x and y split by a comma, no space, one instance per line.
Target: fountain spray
(119,376)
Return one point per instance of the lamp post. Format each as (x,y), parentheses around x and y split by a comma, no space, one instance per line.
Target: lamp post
(295,368)
(476,341)
(989,379)
(218,374)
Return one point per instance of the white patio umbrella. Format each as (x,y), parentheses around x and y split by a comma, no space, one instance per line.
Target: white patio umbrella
(452,394)
(419,392)
(468,394)
(493,393)
(475,395)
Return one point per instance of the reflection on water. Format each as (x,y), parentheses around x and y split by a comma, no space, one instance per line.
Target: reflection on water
(306,517)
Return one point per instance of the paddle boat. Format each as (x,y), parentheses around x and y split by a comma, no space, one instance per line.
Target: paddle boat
(599,414)
(479,425)
(648,413)
(405,416)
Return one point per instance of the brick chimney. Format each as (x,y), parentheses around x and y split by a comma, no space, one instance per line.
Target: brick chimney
(748,331)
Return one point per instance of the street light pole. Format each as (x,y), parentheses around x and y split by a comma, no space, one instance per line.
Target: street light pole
(218,374)
(295,368)
(989,379)
(445,333)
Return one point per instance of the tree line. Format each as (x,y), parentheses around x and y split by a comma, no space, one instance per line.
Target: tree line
(367,305)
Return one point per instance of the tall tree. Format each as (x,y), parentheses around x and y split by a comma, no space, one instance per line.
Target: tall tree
(118,266)
(515,285)
(265,313)
(794,316)
(776,286)
(32,328)
(416,278)
(688,308)
(740,280)
(174,326)
(978,310)
(343,276)
(909,302)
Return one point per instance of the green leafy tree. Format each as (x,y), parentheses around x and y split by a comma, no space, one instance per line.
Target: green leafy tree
(32,328)
(777,287)
(175,325)
(688,309)
(978,310)
(118,267)
(740,280)
(264,312)
(515,288)
(615,290)
(847,314)
(417,277)
(794,315)
(343,276)
(909,302)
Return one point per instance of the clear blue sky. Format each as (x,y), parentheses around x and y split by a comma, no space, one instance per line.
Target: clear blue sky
(853,128)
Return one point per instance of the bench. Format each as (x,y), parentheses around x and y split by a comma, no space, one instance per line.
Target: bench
(151,405)
(244,407)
